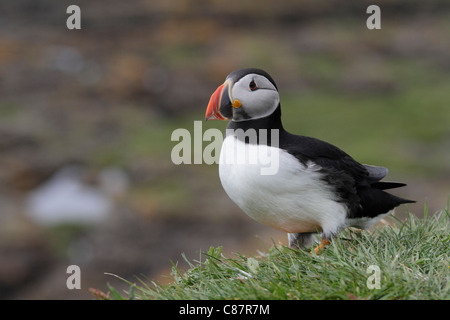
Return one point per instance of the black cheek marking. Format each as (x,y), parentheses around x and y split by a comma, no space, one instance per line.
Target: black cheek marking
(240,114)
(226,110)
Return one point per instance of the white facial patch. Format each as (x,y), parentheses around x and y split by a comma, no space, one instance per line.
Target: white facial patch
(258,103)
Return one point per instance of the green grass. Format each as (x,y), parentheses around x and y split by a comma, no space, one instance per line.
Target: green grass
(413,261)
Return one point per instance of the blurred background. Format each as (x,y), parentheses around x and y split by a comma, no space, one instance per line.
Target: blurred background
(86,118)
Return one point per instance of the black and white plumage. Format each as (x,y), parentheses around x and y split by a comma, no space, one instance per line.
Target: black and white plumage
(317,187)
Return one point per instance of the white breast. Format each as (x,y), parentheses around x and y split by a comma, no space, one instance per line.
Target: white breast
(294,199)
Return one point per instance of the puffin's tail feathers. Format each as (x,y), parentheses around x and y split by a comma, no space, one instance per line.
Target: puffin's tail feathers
(375,201)
(403,200)
(382,185)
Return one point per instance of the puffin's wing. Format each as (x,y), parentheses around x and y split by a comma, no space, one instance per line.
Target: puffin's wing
(358,185)
(375,173)
(331,159)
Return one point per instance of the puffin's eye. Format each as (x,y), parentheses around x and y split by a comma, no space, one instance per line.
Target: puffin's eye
(253,85)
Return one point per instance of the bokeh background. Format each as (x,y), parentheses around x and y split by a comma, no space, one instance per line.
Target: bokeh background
(86,118)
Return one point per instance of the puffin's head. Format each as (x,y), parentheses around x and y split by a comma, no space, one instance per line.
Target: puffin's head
(246,94)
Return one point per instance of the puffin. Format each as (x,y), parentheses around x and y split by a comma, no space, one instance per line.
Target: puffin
(314,190)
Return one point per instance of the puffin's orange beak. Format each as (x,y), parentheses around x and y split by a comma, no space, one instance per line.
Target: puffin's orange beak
(212,112)
(219,106)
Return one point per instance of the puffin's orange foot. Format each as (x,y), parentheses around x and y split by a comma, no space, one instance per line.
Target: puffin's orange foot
(321,246)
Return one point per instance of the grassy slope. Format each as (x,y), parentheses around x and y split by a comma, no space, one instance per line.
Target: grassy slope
(413,258)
